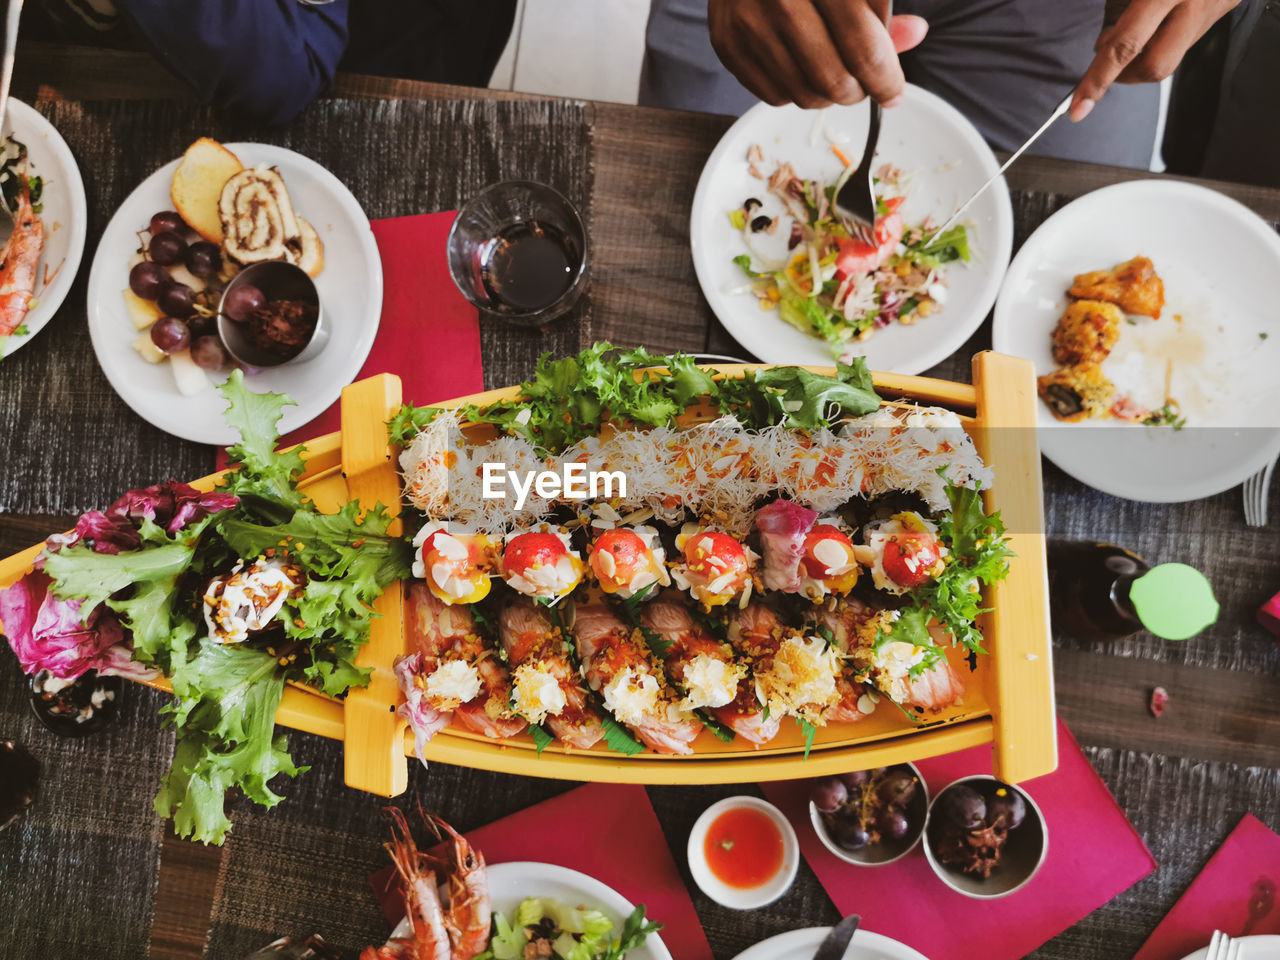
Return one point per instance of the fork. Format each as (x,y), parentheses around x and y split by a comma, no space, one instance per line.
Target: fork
(1222,947)
(1256,490)
(856,199)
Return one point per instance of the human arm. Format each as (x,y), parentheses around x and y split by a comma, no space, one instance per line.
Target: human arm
(1144,44)
(264,58)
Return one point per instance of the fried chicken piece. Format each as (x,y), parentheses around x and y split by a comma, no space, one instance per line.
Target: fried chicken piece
(1086,332)
(1077,393)
(1133,286)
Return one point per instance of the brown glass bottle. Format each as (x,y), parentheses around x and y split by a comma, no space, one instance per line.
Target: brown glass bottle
(1089,589)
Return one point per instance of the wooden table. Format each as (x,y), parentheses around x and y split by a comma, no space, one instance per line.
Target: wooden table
(645,292)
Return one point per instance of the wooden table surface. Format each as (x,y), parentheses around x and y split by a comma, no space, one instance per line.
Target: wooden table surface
(645,292)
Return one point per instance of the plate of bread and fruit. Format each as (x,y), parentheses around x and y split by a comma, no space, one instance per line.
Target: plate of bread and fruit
(163,290)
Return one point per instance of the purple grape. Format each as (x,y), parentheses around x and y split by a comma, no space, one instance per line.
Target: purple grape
(166,248)
(893,824)
(1006,808)
(166,221)
(828,794)
(848,833)
(147,279)
(209,353)
(204,259)
(964,807)
(897,788)
(170,335)
(242,300)
(856,779)
(177,300)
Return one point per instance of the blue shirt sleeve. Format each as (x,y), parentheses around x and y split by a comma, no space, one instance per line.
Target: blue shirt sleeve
(266,59)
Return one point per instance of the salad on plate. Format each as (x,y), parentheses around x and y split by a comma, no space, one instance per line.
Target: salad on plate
(803,263)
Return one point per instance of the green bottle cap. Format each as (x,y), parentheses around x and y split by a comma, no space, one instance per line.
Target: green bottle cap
(1174,601)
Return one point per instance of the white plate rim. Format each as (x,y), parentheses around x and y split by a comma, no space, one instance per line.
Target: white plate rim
(521,877)
(106,278)
(1260,940)
(51,297)
(1086,473)
(943,347)
(802,944)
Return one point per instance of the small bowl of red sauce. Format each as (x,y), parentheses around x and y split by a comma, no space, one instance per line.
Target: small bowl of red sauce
(743,853)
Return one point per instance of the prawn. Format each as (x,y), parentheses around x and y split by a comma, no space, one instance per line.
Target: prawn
(19,261)
(428,934)
(456,930)
(468,916)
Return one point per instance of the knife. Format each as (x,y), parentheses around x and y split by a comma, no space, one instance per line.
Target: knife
(837,941)
(1058,111)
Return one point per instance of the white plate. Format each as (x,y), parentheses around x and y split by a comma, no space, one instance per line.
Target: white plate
(64,214)
(510,883)
(350,289)
(927,138)
(1219,263)
(803,944)
(1251,948)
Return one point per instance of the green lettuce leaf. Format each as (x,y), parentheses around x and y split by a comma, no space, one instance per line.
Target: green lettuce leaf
(224,713)
(260,467)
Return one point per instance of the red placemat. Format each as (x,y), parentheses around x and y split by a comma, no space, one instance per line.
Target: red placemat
(631,856)
(429,335)
(1246,867)
(1094,854)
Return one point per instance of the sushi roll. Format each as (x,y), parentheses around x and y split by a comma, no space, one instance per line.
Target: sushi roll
(783,526)
(700,665)
(545,684)
(619,665)
(903,552)
(715,567)
(625,561)
(456,564)
(828,561)
(541,563)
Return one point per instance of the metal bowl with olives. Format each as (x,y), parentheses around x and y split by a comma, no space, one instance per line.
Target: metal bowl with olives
(870,817)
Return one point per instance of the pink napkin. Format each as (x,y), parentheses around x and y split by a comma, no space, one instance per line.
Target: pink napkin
(605,830)
(1094,853)
(1245,867)
(429,335)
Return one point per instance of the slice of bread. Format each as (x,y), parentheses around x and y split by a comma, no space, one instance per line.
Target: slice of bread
(311,255)
(197,185)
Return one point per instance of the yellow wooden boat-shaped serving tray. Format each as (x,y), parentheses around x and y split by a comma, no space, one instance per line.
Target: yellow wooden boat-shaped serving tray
(1009,700)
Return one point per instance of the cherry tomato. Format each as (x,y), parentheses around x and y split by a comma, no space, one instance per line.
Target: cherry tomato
(530,550)
(909,558)
(626,549)
(714,554)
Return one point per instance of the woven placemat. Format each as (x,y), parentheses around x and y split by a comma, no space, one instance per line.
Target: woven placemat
(84,445)
(77,872)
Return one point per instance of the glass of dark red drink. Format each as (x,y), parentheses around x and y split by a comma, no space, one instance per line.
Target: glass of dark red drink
(518,250)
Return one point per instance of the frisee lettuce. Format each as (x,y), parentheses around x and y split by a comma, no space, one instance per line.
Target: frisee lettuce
(571,398)
(227,695)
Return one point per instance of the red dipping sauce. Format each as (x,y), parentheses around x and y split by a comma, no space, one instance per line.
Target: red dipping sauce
(743,848)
